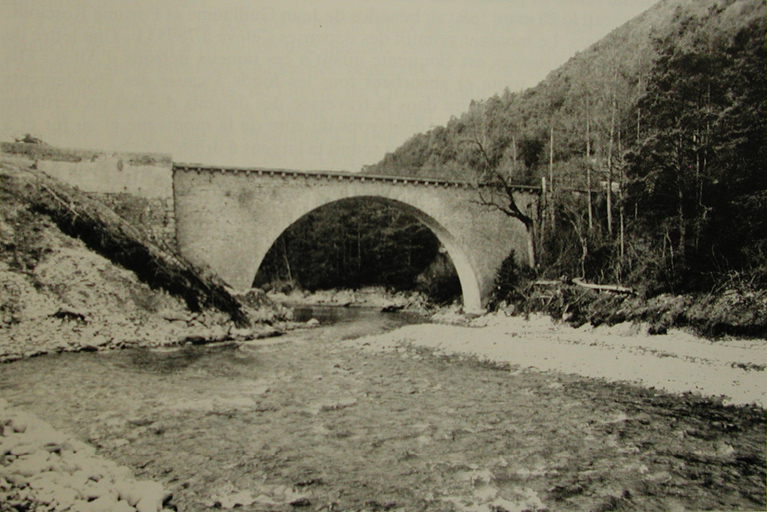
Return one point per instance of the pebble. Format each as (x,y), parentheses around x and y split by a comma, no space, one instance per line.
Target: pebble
(41,465)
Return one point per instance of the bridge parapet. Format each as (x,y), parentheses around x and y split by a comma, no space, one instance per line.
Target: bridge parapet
(343,176)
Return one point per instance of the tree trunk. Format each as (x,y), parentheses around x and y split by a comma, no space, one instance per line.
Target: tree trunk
(682,226)
(610,170)
(531,245)
(588,165)
(551,178)
(286,260)
(542,214)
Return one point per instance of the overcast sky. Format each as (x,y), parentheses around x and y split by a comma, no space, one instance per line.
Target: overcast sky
(293,84)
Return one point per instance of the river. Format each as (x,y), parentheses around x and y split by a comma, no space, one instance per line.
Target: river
(308,420)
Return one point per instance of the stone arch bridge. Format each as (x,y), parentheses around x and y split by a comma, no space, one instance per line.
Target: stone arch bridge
(228,218)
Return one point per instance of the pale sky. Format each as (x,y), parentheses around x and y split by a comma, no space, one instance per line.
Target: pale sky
(293,84)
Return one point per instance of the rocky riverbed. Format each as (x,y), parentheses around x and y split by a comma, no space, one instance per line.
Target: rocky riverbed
(368,297)
(44,470)
(332,419)
(74,300)
(733,370)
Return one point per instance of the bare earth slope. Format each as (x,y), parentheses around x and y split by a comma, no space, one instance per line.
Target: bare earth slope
(57,294)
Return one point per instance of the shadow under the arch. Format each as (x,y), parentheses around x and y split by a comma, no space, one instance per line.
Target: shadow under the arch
(369,241)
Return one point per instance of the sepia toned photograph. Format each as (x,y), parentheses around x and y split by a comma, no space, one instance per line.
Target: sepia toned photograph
(401,255)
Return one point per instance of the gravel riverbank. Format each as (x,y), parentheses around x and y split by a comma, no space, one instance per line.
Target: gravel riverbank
(732,370)
(45,470)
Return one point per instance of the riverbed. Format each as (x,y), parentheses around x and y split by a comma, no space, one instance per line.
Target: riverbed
(310,420)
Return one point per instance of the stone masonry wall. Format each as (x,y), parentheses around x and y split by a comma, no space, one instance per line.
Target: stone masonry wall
(140,174)
(153,216)
(137,186)
(228,219)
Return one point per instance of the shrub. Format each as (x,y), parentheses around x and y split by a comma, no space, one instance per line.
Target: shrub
(511,280)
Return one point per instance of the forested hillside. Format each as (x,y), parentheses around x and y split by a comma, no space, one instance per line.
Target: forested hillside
(651,146)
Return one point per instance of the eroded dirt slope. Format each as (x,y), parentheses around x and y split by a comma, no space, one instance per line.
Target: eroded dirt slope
(57,294)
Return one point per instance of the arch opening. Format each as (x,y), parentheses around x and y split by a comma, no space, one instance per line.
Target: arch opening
(365,230)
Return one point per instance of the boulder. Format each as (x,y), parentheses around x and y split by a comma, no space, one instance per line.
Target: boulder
(25,448)
(9,442)
(102,504)
(144,490)
(240,334)
(175,316)
(30,465)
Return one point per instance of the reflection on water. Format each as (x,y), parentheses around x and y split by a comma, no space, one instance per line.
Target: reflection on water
(341,314)
(353,322)
(177,359)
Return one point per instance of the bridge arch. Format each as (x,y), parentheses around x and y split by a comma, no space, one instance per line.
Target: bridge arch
(470,287)
(228,218)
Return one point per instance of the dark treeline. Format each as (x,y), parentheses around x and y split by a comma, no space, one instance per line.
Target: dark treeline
(356,243)
(651,145)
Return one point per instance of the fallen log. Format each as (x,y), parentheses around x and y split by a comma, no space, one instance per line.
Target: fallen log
(603,287)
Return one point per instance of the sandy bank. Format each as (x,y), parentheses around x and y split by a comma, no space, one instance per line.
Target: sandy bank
(676,362)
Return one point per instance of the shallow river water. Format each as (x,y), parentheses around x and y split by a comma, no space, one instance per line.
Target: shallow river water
(305,420)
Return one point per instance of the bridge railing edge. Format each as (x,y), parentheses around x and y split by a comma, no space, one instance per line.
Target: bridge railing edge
(339,175)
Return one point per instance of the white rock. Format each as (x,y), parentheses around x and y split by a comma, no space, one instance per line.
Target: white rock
(238,499)
(121,473)
(103,504)
(93,490)
(149,504)
(19,421)
(65,498)
(74,481)
(46,479)
(241,333)
(25,449)
(81,448)
(98,341)
(9,442)
(30,465)
(86,464)
(122,506)
(140,490)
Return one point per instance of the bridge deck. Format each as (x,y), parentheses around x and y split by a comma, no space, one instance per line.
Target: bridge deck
(340,175)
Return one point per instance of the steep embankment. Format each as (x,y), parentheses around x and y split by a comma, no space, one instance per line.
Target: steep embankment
(75,276)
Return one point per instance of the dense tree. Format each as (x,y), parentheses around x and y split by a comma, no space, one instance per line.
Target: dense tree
(696,177)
